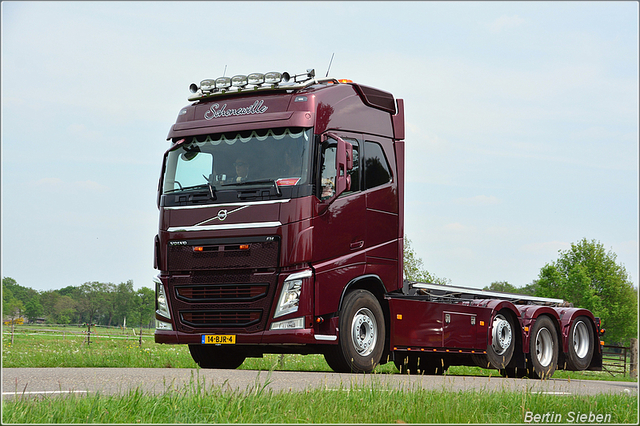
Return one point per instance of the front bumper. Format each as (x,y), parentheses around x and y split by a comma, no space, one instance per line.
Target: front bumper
(302,336)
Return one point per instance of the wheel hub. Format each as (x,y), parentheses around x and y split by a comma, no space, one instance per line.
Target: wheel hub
(544,347)
(581,339)
(364,332)
(501,334)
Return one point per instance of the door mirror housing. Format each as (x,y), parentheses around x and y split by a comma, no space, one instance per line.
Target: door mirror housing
(334,186)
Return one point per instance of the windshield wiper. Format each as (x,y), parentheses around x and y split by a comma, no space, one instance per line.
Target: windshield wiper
(212,189)
(253,182)
(185,188)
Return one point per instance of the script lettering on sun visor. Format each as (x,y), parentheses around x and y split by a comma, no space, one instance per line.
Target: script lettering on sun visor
(217,111)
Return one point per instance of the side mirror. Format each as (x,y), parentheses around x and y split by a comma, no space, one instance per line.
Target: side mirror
(343,164)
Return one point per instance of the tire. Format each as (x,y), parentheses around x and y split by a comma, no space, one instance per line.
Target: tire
(580,349)
(216,357)
(543,349)
(503,341)
(361,335)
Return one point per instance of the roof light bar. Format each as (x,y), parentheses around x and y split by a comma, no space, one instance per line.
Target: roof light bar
(239,81)
(253,81)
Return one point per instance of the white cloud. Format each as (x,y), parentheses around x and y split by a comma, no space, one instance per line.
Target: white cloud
(505,23)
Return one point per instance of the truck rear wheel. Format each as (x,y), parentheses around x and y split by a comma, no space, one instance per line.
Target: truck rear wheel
(503,341)
(361,337)
(216,357)
(580,349)
(543,348)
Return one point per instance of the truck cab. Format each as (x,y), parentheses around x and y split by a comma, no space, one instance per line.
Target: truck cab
(277,199)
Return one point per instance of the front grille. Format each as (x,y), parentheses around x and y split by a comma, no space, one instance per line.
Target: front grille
(238,301)
(221,318)
(222,292)
(211,255)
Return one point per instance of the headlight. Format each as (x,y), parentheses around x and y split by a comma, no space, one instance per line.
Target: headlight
(161,300)
(290,294)
(161,325)
(291,324)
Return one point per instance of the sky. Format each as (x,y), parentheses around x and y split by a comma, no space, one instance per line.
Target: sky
(521,118)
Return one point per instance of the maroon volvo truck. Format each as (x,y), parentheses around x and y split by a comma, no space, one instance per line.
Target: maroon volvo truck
(281,230)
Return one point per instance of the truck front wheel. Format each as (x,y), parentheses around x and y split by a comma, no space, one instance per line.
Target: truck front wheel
(361,335)
(216,356)
(543,348)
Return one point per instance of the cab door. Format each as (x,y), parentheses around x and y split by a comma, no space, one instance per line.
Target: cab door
(339,227)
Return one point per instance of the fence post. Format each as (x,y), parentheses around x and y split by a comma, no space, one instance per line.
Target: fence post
(633,368)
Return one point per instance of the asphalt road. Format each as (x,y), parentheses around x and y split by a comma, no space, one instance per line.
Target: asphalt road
(56,381)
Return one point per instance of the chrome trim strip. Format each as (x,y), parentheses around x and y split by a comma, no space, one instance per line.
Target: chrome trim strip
(325,337)
(299,275)
(221,206)
(225,226)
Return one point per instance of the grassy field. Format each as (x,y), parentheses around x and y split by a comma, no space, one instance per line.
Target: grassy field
(197,403)
(44,346)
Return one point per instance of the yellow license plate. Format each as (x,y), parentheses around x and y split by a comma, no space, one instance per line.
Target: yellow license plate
(219,339)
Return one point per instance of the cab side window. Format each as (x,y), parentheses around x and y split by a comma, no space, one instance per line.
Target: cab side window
(376,167)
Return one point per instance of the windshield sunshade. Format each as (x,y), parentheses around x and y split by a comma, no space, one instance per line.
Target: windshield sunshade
(275,157)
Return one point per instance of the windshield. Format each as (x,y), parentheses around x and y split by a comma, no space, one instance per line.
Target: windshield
(277,157)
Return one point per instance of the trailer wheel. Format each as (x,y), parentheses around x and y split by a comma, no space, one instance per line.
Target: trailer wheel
(543,348)
(580,345)
(503,341)
(216,357)
(361,337)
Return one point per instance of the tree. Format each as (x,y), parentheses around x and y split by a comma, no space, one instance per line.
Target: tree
(589,277)
(145,305)
(125,300)
(502,286)
(505,287)
(91,300)
(12,306)
(33,309)
(413,269)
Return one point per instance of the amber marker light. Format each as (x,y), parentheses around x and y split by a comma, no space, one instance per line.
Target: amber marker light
(244,246)
(345,80)
(198,248)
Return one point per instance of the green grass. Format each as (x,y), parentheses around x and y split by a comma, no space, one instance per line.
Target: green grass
(375,403)
(43,346)
(202,403)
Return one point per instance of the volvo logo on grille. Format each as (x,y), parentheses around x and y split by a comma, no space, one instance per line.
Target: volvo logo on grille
(222,215)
